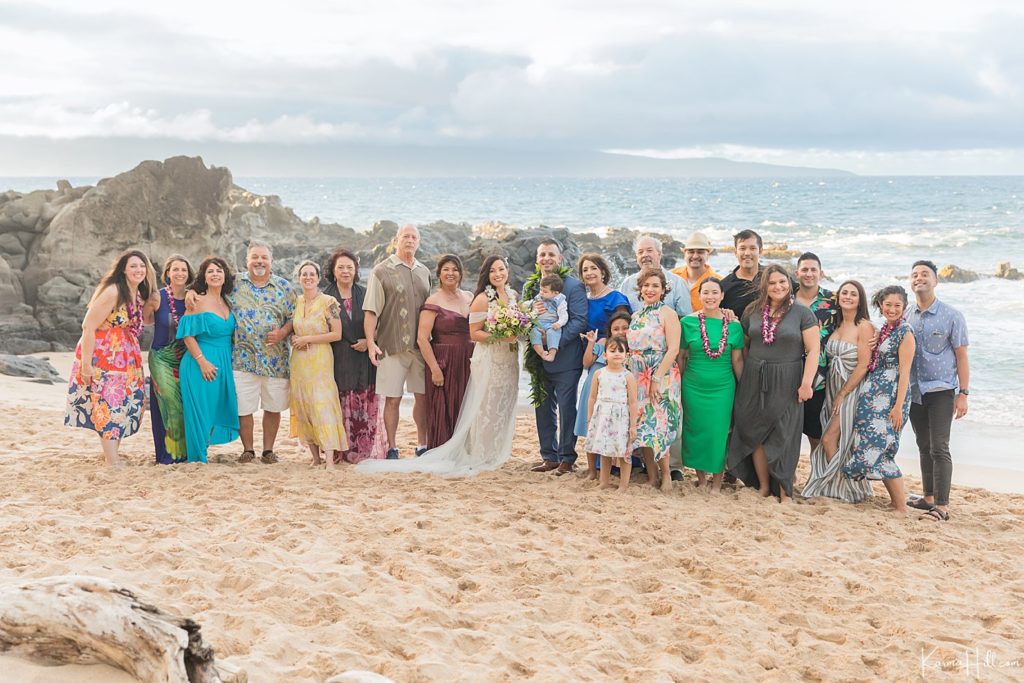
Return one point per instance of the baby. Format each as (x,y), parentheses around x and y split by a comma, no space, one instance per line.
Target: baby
(549,323)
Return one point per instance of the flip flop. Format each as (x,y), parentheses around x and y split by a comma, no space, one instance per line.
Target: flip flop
(918,503)
(936,515)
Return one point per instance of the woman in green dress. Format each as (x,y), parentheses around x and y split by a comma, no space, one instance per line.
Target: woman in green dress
(712,351)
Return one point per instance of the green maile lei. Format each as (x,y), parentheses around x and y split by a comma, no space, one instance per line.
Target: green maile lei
(532,363)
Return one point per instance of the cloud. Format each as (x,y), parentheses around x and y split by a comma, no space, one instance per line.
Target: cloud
(121,120)
(801,78)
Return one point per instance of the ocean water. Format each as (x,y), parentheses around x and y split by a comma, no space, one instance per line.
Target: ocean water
(868,228)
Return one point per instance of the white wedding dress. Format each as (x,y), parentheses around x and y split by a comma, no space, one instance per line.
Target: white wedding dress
(483,434)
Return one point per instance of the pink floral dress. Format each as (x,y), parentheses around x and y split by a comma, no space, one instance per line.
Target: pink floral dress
(659,420)
(112,404)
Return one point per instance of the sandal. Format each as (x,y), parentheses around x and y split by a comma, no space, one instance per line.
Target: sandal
(247,456)
(936,515)
(919,503)
(268,458)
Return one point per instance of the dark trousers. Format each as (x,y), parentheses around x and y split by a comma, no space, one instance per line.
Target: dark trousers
(558,444)
(931,420)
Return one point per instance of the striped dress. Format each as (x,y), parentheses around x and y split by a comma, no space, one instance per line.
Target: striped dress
(827,478)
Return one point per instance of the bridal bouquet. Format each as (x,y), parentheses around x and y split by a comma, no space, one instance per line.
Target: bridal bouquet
(505,320)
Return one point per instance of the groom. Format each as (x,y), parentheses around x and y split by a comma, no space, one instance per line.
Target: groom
(553,385)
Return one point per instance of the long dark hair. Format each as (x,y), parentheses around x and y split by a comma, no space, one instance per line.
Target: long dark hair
(762,292)
(115,277)
(862,305)
(199,286)
(484,279)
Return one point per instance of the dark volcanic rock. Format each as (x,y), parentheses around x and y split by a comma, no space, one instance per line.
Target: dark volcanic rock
(56,244)
(28,366)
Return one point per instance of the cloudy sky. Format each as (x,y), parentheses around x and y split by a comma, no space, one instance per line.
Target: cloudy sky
(871,86)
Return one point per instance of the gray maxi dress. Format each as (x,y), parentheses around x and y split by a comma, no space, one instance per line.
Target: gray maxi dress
(827,478)
(766,410)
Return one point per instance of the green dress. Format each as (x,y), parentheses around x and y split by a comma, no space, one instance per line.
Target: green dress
(708,390)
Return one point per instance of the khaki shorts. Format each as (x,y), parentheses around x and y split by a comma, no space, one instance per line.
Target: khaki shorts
(399,373)
(256,391)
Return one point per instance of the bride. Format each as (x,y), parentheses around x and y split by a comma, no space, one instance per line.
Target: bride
(483,434)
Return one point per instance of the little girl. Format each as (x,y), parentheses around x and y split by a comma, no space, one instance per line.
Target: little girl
(612,414)
(593,360)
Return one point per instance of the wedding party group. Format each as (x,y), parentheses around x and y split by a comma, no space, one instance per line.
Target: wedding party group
(666,370)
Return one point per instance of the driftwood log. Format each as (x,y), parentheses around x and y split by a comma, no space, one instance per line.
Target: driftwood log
(88,620)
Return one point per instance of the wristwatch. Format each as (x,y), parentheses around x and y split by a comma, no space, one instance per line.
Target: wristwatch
(964,392)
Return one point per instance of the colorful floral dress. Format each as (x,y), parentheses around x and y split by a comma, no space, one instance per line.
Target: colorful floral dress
(316,417)
(658,424)
(610,421)
(112,404)
(875,441)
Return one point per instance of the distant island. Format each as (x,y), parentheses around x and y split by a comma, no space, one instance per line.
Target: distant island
(99,157)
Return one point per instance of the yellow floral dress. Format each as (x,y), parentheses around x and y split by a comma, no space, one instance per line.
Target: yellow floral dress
(314,405)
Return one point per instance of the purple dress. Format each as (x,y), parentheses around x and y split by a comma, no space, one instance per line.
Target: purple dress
(453,350)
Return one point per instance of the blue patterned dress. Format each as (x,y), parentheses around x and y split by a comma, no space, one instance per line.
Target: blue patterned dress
(875,440)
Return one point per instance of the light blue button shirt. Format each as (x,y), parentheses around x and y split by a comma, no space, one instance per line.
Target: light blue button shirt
(938,331)
(678,297)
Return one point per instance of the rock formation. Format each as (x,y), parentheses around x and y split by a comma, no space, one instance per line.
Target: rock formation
(954,273)
(56,244)
(1008,272)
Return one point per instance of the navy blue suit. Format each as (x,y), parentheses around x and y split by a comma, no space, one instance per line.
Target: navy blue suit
(561,379)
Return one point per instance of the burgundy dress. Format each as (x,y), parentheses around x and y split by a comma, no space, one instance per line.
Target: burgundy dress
(452,349)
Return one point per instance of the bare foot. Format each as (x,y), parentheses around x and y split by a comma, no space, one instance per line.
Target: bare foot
(604,486)
(715,490)
(591,474)
(622,488)
(764,493)
(666,484)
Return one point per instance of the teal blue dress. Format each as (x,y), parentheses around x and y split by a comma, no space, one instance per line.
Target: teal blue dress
(211,408)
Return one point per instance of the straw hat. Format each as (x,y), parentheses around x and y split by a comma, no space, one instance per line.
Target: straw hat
(697,240)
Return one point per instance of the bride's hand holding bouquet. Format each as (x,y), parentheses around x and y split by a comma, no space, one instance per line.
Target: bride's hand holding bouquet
(506,322)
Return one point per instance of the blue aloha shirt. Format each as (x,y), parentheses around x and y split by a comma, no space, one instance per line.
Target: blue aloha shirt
(258,312)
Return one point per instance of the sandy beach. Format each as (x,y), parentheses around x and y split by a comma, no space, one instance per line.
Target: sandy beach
(298,573)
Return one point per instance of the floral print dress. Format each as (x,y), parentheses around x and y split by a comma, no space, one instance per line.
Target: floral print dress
(875,440)
(316,416)
(659,420)
(112,404)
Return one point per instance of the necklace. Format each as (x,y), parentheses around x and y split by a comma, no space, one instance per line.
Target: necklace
(134,311)
(887,330)
(175,318)
(770,323)
(712,354)
(600,294)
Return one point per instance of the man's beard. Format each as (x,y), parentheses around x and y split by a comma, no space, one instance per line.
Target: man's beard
(259,271)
